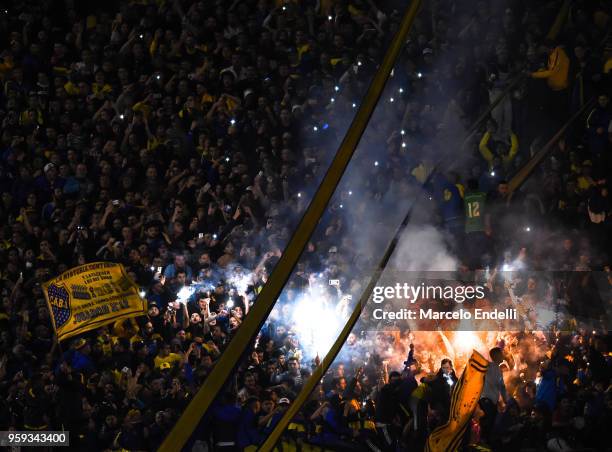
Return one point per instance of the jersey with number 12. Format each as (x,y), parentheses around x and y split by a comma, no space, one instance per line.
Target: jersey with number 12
(474,211)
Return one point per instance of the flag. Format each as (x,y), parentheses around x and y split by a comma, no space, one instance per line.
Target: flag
(90,296)
(465,397)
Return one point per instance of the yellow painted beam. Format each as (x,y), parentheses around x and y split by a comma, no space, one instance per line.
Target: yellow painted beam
(523,173)
(327,361)
(555,29)
(486,114)
(190,418)
(319,371)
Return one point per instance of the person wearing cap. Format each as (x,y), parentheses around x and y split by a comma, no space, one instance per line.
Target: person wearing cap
(48,181)
(268,421)
(145,114)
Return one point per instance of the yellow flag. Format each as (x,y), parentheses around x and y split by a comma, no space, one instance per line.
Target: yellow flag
(464,399)
(90,296)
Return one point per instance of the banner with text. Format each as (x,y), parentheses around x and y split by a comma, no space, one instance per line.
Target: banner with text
(90,296)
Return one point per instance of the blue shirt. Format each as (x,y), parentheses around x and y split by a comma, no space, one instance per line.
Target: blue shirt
(247,429)
(548,390)
(170,271)
(448,198)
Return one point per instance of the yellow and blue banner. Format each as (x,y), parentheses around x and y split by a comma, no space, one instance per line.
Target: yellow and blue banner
(465,397)
(90,296)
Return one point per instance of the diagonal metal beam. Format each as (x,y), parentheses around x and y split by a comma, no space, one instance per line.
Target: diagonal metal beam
(525,171)
(387,65)
(190,418)
(327,361)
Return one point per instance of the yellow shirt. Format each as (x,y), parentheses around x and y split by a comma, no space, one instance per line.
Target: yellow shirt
(170,359)
(72,89)
(301,50)
(6,66)
(422,391)
(556,73)
(101,89)
(142,107)
(488,154)
(421,173)
(584,183)
(121,329)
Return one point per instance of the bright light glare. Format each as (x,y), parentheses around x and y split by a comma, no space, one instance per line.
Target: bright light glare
(241,282)
(466,341)
(315,325)
(183,295)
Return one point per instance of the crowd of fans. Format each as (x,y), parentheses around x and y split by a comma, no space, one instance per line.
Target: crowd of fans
(183,139)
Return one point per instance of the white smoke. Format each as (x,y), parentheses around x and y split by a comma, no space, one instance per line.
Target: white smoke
(422,248)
